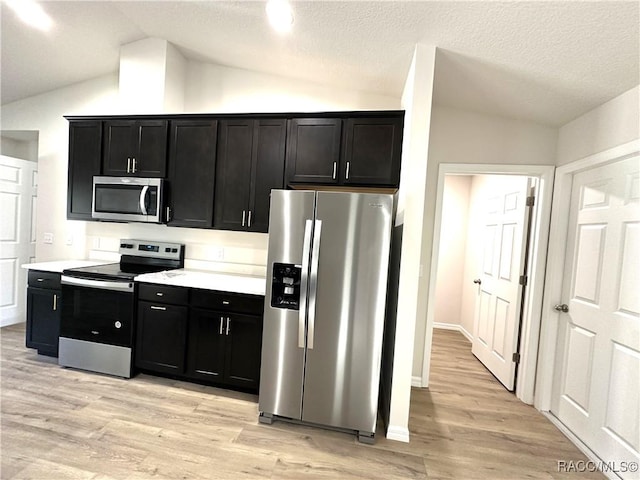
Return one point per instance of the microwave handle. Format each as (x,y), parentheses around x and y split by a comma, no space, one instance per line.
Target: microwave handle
(143,199)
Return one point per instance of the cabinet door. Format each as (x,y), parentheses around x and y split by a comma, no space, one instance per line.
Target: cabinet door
(313,150)
(233,174)
(161,337)
(243,349)
(207,330)
(43,320)
(119,147)
(372,149)
(267,171)
(85,161)
(150,156)
(192,163)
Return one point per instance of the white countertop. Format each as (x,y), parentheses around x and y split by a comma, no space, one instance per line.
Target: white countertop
(223,282)
(60,265)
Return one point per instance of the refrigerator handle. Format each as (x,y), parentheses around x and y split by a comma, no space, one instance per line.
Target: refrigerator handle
(313,282)
(304,280)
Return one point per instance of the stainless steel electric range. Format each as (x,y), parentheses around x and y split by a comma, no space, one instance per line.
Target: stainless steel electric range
(98,307)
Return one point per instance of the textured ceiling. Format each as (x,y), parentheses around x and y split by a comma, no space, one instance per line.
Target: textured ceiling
(546,61)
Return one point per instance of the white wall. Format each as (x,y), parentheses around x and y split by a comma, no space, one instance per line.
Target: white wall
(459,136)
(18,148)
(214,88)
(452,251)
(609,125)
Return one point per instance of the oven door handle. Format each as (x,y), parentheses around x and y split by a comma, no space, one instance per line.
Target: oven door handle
(118,286)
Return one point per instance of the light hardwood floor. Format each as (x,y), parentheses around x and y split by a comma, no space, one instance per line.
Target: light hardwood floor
(65,424)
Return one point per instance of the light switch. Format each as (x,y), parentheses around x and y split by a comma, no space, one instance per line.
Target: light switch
(47,237)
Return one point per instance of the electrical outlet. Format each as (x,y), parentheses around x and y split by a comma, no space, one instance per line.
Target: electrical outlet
(217,254)
(47,238)
(69,239)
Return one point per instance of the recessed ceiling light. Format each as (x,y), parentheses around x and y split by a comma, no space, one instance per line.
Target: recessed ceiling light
(280,15)
(31,13)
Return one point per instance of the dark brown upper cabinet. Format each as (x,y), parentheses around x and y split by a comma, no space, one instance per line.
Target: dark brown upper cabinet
(354,151)
(251,154)
(371,151)
(192,167)
(135,147)
(313,150)
(85,161)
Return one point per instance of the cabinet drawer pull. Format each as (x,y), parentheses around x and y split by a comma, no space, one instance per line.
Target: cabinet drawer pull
(335,166)
(227,326)
(221,321)
(160,294)
(347,172)
(55,302)
(153,307)
(243,214)
(40,279)
(225,302)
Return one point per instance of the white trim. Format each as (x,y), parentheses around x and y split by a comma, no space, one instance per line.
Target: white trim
(400,434)
(579,444)
(452,326)
(556,261)
(530,333)
(416,381)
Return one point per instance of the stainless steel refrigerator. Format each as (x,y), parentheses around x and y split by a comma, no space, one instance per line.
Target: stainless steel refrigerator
(324,311)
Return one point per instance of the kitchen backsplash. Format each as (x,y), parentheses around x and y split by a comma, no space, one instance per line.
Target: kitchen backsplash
(212,250)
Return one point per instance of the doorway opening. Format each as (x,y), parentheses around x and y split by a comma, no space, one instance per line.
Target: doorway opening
(454,221)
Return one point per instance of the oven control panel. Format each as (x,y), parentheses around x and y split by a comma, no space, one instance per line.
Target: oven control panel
(146,248)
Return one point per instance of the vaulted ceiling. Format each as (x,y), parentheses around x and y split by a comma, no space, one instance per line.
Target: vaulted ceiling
(545,61)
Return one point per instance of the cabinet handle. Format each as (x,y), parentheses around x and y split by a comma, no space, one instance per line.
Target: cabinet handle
(128,164)
(168,214)
(55,302)
(40,279)
(153,307)
(225,302)
(221,321)
(249,222)
(159,294)
(347,173)
(243,214)
(134,165)
(335,166)
(227,326)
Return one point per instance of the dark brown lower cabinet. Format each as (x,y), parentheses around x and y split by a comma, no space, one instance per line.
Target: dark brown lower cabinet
(161,337)
(212,337)
(43,312)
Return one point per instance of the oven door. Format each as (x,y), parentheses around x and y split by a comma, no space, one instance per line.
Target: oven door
(97,311)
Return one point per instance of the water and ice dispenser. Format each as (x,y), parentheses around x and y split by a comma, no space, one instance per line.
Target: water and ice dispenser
(285,287)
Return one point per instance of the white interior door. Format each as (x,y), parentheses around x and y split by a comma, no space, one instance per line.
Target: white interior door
(497,318)
(18,183)
(596,386)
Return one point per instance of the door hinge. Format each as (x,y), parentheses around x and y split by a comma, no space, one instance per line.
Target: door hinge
(516,357)
(531,201)
(523,280)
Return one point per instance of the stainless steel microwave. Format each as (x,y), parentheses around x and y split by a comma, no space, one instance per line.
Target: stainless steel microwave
(128,199)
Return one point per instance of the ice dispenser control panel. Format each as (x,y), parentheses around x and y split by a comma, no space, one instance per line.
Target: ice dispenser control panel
(285,289)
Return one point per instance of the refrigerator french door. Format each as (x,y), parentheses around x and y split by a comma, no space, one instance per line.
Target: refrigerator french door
(324,308)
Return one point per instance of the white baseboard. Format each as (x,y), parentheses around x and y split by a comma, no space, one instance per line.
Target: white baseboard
(579,444)
(400,434)
(5,322)
(416,382)
(452,326)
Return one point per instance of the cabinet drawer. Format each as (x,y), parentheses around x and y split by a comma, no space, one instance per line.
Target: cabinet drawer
(163,294)
(227,302)
(41,279)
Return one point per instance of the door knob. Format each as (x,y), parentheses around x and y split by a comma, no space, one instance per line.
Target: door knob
(478,281)
(561,307)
